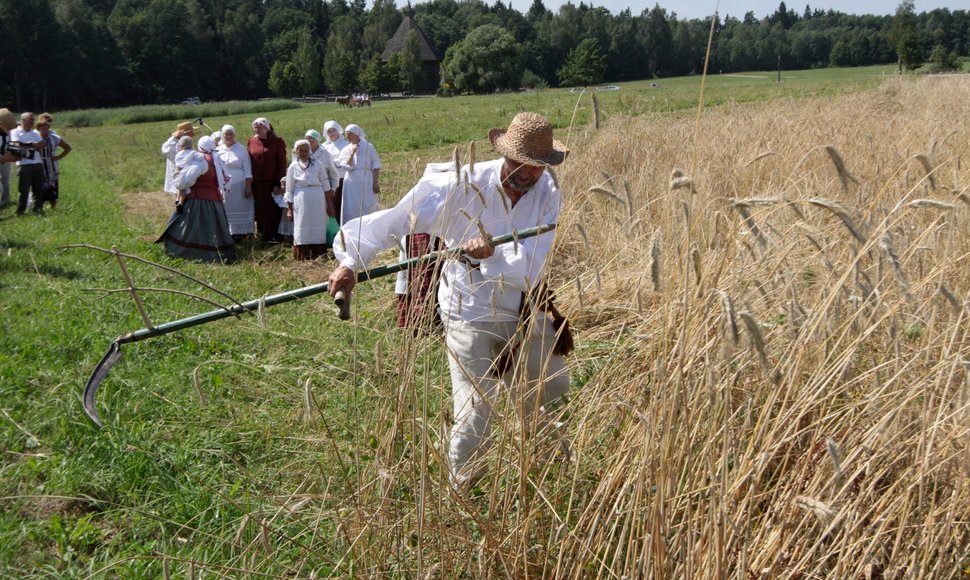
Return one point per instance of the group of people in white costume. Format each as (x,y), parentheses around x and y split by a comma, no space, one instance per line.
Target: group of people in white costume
(335,175)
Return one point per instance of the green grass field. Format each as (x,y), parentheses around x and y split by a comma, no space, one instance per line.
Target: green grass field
(174,485)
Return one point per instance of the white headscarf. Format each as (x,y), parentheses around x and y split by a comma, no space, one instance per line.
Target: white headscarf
(227,129)
(207,145)
(297,146)
(332,125)
(263,121)
(356,130)
(217,137)
(335,147)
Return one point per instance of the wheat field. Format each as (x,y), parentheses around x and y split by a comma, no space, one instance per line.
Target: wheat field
(780,292)
(772,380)
(771,305)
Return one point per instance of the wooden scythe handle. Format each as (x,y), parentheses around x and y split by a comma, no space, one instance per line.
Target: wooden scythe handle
(342,300)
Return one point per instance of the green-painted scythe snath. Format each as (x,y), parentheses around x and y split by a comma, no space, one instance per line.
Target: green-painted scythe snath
(114,351)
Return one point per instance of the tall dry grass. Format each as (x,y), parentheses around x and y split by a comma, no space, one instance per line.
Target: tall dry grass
(790,398)
(771,306)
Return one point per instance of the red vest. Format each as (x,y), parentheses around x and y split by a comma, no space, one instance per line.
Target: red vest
(206,187)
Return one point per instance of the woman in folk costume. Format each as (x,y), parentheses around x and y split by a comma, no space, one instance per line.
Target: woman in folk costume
(188,161)
(334,143)
(324,158)
(286,226)
(240,210)
(267,153)
(363,181)
(50,158)
(306,183)
(198,230)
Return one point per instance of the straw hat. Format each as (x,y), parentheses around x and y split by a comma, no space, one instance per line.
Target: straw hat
(528,140)
(186,126)
(7,121)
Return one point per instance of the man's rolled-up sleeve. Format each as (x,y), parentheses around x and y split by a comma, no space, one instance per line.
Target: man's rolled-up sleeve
(170,148)
(360,240)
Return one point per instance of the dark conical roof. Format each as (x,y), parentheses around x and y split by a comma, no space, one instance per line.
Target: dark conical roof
(396,43)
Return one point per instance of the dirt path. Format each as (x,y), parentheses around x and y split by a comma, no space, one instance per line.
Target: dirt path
(148,211)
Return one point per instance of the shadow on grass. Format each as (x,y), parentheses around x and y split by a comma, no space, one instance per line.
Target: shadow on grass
(46,270)
(12,244)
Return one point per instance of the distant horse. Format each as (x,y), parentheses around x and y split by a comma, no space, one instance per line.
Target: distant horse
(344,101)
(362,102)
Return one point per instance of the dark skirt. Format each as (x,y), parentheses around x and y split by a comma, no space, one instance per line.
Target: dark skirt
(338,196)
(199,231)
(268,214)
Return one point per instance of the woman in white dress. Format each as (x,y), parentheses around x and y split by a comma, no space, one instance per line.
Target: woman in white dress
(306,181)
(324,158)
(334,143)
(363,181)
(238,167)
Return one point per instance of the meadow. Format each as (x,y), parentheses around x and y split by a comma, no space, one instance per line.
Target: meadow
(772,378)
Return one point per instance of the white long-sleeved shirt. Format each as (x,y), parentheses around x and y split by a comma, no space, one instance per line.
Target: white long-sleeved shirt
(493,291)
(169,149)
(324,158)
(236,162)
(189,167)
(366,158)
(313,175)
(334,148)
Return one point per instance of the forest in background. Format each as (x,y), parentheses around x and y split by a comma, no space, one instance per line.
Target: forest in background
(67,54)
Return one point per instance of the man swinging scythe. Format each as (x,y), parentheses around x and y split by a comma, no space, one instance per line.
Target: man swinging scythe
(485,292)
(489,285)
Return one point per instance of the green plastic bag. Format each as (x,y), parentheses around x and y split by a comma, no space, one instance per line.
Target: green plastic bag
(332,228)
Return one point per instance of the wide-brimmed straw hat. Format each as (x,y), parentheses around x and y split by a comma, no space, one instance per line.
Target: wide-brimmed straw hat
(186,126)
(529,140)
(7,121)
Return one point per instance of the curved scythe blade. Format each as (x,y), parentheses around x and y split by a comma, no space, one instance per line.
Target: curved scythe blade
(114,351)
(100,372)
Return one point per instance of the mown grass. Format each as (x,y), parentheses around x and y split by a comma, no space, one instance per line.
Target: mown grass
(677,433)
(151,113)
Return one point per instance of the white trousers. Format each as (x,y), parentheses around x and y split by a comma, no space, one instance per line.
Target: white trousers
(536,378)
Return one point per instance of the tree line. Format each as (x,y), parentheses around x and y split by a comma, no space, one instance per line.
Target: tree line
(63,54)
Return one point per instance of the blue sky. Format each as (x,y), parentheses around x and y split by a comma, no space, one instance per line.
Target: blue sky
(701,8)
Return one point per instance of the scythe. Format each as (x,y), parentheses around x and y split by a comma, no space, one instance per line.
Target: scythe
(114,351)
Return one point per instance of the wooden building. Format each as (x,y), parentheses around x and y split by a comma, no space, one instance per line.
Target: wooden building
(430,65)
